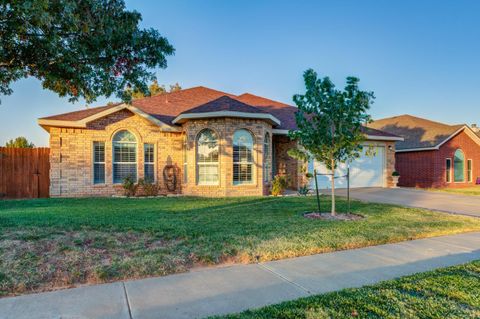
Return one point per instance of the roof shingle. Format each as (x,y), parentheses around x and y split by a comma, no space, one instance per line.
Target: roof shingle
(167,107)
(417,132)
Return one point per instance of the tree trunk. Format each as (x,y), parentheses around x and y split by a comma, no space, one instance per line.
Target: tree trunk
(333,188)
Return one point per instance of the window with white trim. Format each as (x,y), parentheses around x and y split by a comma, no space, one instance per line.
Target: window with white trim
(99,162)
(207,157)
(458,166)
(124,146)
(266,158)
(242,157)
(448,170)
(185,163)
(469,171)
(149,162)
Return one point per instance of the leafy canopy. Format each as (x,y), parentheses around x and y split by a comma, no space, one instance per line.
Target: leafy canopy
(155,89)
(21,142)
(78,48)
(329,120)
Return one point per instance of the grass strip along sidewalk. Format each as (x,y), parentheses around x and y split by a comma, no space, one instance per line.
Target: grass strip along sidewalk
(452,292)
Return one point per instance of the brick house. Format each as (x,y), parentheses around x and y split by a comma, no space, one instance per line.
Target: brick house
(434,154)
(196,141)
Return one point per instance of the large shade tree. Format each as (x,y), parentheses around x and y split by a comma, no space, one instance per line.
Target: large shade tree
(78,48)
(330,122)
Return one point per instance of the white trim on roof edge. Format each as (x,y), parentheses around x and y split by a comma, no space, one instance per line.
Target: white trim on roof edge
(384,138)
(474,137)
(280,132)
(188,116)
(369,137)
(83,122)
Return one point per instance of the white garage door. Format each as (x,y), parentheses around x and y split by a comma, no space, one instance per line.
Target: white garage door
(365,171)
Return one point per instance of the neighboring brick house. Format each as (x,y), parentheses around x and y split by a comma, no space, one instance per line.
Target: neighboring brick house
(434,154)
(196,141)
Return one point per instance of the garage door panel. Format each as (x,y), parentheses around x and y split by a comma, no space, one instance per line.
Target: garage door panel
(365,171)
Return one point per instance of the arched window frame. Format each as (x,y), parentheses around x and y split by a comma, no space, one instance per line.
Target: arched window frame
(207,166)
(459,166)
(124,156)
(267,167)
(243,162)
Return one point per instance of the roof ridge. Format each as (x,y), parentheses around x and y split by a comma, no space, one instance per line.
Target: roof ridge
(223,97)
(261,97)
(166,94)
(419,118)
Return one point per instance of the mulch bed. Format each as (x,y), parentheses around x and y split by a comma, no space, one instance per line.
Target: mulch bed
(328,216)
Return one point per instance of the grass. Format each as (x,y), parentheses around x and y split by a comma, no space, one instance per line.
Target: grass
(474,190)
(452,292)
(47,244)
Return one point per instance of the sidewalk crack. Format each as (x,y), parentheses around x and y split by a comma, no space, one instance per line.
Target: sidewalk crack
(128,301)
(284,278)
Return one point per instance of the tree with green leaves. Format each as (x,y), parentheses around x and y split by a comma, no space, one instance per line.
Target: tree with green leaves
(155,89)
(330,122)
(78,48)
(20,142)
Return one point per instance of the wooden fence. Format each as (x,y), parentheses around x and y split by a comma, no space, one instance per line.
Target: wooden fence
(24,172)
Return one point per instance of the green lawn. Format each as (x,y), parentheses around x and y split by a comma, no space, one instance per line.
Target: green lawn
(452,292)
(475,190)
(51,243)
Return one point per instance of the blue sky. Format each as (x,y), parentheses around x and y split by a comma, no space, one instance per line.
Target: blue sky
(419,57)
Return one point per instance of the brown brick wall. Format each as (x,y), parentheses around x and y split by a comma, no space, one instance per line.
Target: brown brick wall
(71,160)
(427,168)
(71,172)
(71,157)
(225,128)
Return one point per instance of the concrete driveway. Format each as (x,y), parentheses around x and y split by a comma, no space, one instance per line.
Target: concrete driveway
(446,202)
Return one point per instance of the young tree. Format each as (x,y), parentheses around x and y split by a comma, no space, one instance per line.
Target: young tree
(330,122)
(21,142)
(78,48)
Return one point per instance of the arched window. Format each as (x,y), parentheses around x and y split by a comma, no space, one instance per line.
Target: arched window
(458,166)
(266,158)
(124,147)
(207,158)
(242,157)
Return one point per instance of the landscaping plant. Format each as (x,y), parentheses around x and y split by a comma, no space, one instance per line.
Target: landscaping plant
(149,188)
(330,122)
(279,184)
(303,190)
(129,186)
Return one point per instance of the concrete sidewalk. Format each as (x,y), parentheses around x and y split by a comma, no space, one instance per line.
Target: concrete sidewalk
(235,288)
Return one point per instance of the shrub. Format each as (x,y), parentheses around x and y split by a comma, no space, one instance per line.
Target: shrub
(149,188)
(129,187)
(279,184)
(303,190)
(395,173)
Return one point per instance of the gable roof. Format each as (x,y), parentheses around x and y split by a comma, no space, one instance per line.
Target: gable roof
(226,107)
(167,110)
(418,133)
(224,103)
(284,112)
